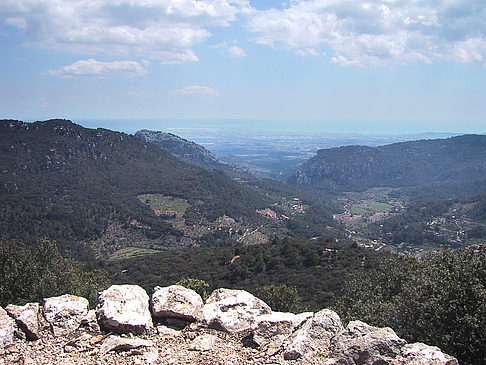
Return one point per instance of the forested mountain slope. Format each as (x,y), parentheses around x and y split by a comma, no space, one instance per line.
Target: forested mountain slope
(406,164)
(187,151)
(111,190)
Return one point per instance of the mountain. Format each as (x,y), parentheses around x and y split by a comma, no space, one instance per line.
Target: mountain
(105,190)
(406,164)
(188,151)
(415,196)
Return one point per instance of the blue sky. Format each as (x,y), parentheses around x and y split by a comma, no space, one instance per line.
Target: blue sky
(393,65)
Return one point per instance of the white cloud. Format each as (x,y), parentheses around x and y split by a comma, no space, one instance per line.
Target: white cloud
(153,29)
(96,69)
(376,32)
(308,52)
(204,91)
(236,52)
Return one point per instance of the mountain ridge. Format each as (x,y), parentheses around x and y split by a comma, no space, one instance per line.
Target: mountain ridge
(403,164)
(61,181)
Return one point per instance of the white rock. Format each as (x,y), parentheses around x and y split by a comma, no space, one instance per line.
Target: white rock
(232,311)
(421,354)
(167,331)
(7,329)
(270,331)
(65,313)
(124,309)
(314,335)
(176,301)
(361,343)
(27,318)
(204,343)
(115,343)
(151,356)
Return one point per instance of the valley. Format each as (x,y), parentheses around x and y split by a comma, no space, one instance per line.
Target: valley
(365,230)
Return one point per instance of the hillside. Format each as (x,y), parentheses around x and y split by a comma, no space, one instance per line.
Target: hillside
(414,196)
(405,164)
(187,151)
(108,190)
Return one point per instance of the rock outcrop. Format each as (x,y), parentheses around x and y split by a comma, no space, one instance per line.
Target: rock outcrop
(314,336)
(27,318)
(421,354)
(64,313)
(7,329)
(175,301)
(232,311)
(361,343)
(124,309)
(233,327)
(271,330)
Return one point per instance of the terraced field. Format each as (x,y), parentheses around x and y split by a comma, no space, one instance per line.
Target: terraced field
(163,202)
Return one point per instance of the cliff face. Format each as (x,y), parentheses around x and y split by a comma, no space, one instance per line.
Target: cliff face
(231,327)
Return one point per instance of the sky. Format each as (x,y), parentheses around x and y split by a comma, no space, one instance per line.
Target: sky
(337,65)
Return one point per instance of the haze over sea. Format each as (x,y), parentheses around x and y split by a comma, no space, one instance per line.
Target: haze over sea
(191,128)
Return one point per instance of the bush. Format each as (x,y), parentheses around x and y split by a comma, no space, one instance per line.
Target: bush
(281,298)
(31,274)
(439,299)
(198,285)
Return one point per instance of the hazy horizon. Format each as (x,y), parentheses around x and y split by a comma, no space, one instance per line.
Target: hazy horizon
(329,66)
(184,126)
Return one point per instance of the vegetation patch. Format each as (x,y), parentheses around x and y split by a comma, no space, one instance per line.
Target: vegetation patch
(380,207)
(360,211)
(131,252)
(254,238)
(162,202)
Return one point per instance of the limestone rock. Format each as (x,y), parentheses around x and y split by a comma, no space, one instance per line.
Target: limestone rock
(204,343)
(421,354)
(65,313)
(115,343)
(90,322)
(167,331)
(124,309)
(176,301)
(7,329)
(314,335)
(363,344)
(27,318)
(271,330)
(232,311)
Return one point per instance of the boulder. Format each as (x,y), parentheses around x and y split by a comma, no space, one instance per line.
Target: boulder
(27,318)
(7,329)
(65,313)
(314,336)
(421,354)
(232,311)
(115,343)
(271,330)
(176,301)
(363,344)
(124,309)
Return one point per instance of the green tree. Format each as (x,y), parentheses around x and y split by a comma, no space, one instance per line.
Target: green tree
(31,274)
(281,297)
(439,299)
(199,286)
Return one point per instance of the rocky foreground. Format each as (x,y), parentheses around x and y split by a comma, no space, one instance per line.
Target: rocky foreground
(174,326)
